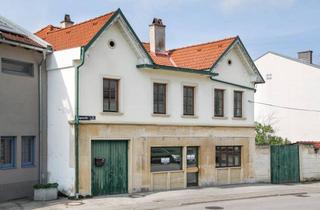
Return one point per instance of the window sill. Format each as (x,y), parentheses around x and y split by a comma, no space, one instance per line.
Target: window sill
(189,116)
(112,113)
(239,118)
(219,118)
(172,171)
(160,115)
(28,166)
(8,168)
(231,167)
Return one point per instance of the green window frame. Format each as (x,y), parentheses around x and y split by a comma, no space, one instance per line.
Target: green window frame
(159,98)
(218,103)
(7,152)
(237,104)
(188,100)
(166,159)
(110,95)
(27,151)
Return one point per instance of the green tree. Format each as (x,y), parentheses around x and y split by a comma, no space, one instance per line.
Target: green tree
(265,134)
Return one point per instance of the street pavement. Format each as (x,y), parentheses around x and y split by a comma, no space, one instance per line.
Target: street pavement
(289,202)
(255,195)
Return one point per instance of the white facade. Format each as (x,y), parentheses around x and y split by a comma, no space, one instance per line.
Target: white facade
(135,95)
(289,83)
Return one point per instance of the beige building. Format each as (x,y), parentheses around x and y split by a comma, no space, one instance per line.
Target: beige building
(22,111)
(126,116)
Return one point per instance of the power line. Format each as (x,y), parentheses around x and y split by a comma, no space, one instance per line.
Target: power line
(285,107)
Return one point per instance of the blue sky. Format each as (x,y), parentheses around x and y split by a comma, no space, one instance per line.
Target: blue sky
(283,26)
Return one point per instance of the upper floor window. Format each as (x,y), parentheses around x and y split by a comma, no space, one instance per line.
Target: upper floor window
(218,103)
(110,95)
(188,100)
(237,104)
(159,98)
(27,151)
(7,151)
(10,66)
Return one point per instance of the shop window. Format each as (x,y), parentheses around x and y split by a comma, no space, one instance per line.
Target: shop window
(192,157)
(166,158)
(228,156)
(7,152)
(27,151)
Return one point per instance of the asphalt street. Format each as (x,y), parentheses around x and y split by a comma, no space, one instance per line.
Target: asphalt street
(292,202)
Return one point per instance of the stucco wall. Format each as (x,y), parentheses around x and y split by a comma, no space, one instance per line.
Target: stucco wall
(295,85)
(262,164)
(136,86)
(309,163)
(142,137)
(19,113)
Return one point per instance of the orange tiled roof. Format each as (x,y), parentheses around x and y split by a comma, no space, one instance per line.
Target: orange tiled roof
(74,36)
(316,144)
(198,57)
(23,39)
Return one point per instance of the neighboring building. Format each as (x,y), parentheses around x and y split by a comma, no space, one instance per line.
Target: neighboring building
(22,111)
(126,116)
(289,99)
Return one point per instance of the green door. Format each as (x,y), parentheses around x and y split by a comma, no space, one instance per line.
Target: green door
(109,167)
(285,164)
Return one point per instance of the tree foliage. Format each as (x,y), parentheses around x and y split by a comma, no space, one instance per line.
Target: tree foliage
(265,134)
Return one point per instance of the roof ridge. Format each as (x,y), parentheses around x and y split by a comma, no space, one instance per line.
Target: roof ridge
(195,45)
(77,24)
(50,25)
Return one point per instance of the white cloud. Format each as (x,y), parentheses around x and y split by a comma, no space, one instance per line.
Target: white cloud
(234,5)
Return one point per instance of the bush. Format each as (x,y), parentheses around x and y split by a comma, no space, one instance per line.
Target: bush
(45,186)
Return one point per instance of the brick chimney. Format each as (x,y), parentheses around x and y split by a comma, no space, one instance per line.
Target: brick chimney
(305,56)
(66,21)
(157,36)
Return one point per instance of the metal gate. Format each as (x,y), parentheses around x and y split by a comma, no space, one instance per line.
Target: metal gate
(285,164)
(109,167)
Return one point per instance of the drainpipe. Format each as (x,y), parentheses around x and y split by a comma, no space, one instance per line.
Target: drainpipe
(40,122)
(77,124)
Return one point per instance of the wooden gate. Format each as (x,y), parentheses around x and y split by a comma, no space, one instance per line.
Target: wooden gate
(285,164)
(109,167)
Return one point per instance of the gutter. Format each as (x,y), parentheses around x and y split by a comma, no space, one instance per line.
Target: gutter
(236,85)
(25,46)
(82,56)
(42,178)
(177,69)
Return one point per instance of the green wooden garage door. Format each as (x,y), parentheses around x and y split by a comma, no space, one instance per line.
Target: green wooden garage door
(285,164)
(109,167)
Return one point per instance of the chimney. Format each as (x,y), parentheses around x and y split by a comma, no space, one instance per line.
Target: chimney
(157,36)
(305,56)
(66,21)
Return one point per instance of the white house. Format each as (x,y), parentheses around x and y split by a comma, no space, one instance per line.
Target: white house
(289,99)
(126,116)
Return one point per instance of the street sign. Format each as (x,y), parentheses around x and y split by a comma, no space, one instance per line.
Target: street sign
(82,117)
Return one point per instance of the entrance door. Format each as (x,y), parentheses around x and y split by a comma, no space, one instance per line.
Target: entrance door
(192,166)
(285,164)
(109,167)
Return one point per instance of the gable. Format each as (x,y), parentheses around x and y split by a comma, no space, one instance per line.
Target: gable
(237,71)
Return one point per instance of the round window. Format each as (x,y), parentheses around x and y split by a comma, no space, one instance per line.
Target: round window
(229,62)
(112,44)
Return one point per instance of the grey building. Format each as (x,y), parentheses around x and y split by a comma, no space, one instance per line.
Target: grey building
(22,111)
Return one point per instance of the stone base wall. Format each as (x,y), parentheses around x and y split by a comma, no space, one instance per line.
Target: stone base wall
(142,137)
(17,190)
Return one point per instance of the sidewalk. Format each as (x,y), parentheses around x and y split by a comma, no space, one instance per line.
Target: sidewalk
(168,199)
